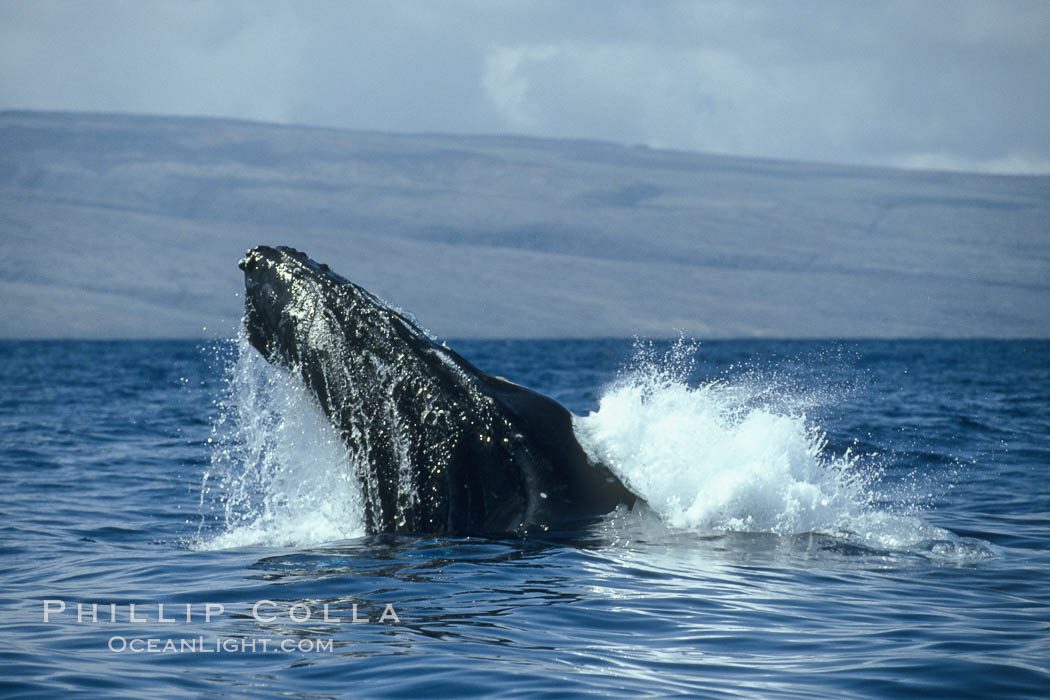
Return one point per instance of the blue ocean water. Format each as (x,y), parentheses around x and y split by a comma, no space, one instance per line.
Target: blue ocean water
(824,519)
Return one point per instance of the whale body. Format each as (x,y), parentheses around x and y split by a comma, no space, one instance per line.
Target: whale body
(439,446)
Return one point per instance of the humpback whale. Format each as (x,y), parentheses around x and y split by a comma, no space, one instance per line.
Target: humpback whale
(439,445)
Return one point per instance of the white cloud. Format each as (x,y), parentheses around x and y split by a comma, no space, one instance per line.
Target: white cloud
(1009,165)
(836,81)
(507,83)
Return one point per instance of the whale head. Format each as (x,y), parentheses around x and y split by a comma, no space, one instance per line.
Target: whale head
(409,409)
(438,445)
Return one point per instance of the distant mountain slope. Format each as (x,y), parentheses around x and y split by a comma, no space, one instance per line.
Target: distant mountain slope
(121,226)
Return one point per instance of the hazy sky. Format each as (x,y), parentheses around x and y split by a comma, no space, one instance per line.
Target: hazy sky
(957,84)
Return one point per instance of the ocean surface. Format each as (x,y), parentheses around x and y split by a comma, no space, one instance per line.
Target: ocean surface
(824,519)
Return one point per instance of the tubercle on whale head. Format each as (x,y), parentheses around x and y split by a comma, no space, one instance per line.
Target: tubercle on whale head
(288,295)
(264,299)
(284,291)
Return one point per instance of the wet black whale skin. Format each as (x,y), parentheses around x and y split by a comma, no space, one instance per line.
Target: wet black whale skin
(440,446)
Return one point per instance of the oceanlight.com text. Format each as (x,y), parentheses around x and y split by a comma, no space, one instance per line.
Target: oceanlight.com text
(218,645)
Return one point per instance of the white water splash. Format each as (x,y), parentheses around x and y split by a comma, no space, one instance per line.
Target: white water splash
(726,456)
(280,475)
(736,456)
